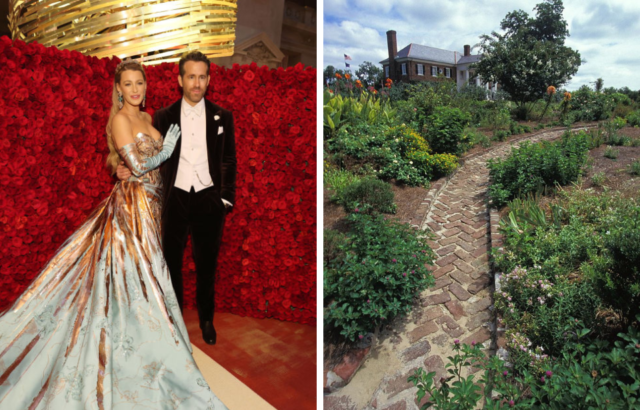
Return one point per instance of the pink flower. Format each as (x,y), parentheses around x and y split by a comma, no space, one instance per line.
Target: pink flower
(549,373)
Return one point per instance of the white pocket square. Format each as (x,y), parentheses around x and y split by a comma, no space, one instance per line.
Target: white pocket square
(220,130)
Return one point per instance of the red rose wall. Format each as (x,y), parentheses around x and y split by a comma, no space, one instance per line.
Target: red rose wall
(54,106)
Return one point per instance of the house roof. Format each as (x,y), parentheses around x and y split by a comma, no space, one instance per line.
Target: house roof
(420,52)
(469,59)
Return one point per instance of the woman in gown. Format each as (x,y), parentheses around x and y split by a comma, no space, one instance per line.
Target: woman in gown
(100,327)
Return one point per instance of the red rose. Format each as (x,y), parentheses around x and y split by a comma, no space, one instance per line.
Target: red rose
(249,76)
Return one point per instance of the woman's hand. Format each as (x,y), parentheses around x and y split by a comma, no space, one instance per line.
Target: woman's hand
(123,173)
(171,139)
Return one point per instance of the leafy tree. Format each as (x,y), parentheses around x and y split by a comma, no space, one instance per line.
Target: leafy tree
(530,55)
(329,74)
(370,74)
(598,85)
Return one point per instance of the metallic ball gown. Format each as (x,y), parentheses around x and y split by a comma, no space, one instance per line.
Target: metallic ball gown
(100,327)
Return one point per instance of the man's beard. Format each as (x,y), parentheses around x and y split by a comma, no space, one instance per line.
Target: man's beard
(196,97)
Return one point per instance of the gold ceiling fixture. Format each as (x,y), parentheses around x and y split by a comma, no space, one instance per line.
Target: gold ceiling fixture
(158,31)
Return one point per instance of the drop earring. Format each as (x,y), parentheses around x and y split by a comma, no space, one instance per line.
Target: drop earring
(144,100)
(120,100)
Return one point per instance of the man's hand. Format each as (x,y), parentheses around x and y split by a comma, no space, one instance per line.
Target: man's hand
(123,172)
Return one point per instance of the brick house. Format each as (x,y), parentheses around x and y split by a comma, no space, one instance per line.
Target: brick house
(416,62)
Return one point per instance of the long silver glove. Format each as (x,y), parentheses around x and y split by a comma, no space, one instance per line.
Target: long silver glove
(140,166)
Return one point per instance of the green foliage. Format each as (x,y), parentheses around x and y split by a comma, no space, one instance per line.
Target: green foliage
(337,180)
(334,241)
(611,152)
(576,260)
(633,119)
(532,167)
(634,168)
(398,153)
(369,194)
(422,100)
(339,111)
(475,137)
(370,74)
(446,126)
(383,270)
(598,178)
(587,105)
(617,272)
(595,375)
(530,55)
(456,391)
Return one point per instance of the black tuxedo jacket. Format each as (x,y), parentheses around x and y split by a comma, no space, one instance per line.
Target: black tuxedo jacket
(221,149)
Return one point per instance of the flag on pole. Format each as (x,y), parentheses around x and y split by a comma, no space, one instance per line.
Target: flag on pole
(346,57)
(347,64)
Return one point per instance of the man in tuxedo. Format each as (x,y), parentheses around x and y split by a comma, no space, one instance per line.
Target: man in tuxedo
(199,183)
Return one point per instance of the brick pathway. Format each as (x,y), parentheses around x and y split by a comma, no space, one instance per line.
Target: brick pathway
(459,306)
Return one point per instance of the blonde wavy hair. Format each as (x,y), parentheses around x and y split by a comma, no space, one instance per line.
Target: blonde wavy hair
(113,159)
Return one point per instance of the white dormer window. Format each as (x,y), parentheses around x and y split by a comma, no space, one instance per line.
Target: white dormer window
(404,68)
(420,69)
(448,72)
(434,71)
(386,72)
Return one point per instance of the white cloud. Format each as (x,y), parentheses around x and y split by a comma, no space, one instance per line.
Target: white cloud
(605,33)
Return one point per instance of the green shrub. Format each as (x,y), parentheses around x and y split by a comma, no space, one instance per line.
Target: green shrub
(501,135)
(531,167)
(475,137)
(633,119)
(383,270)
(595,138)
(611,152)
(596,375)
(577,260)
(588,105)
(598,178)
(334,242)
(375,194)
(622,110)
(446,126)
(337,180)
(617,272)
(634,168)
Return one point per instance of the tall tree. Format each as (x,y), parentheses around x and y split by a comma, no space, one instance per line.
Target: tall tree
(598,85)
(329,74)
(529,55)
(369,74)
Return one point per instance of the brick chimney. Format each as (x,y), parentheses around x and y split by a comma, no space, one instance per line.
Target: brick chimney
(467,50)
(393,51)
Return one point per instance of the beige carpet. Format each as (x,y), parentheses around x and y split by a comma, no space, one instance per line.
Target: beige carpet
(233,393)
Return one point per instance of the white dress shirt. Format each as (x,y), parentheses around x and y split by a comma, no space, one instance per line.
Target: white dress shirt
(193,167)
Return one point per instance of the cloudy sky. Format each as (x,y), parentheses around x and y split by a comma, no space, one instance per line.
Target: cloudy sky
(606,33)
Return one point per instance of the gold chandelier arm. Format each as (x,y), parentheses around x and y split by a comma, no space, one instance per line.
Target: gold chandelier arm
(159,30)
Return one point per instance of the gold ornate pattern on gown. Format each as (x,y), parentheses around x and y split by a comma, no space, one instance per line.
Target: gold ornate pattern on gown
(100,327)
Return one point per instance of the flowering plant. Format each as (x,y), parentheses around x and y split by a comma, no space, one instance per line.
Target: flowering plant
(383,269)
(54,105)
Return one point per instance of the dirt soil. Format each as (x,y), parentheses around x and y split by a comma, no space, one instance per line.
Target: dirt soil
(616,170)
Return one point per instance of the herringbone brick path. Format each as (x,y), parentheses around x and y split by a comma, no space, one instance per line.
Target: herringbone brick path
(459,306)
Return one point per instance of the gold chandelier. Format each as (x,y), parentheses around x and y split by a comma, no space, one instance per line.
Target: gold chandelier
(158,31)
